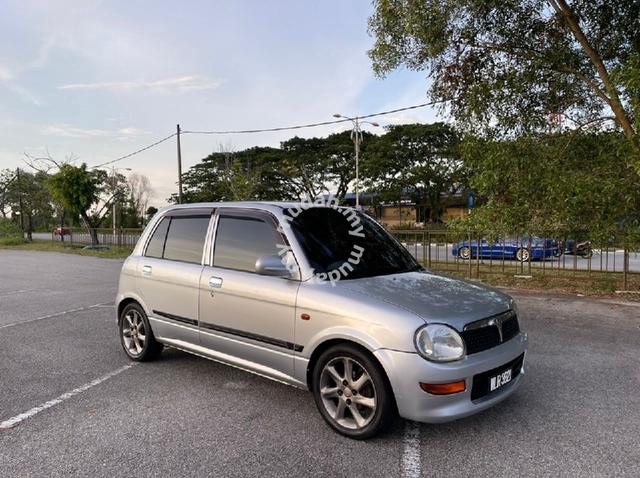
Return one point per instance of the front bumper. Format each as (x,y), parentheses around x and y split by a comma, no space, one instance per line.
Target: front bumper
(406,370)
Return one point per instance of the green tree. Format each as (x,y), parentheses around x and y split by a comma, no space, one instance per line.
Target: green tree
(574,183)
(253,173)
(421,161)
(513,63)
(150,212)
(317,166)
(28,196)
(80,191)
(7,176)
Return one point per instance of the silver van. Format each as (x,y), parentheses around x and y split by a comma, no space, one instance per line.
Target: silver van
(322,298)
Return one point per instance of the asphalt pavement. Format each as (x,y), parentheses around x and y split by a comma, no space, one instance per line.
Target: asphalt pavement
(83,409)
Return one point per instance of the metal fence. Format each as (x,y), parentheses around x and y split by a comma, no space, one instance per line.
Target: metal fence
(444,251)
(110,237)
(475,254)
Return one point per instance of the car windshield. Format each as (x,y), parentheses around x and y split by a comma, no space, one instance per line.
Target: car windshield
(344,241)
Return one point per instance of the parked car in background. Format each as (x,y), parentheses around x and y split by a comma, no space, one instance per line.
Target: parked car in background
(519,249)
(62,231)
(323,299)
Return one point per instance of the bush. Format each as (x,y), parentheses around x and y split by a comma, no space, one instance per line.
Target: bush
(12,241)
(9,229)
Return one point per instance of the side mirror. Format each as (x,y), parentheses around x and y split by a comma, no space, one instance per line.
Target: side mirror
(271,266)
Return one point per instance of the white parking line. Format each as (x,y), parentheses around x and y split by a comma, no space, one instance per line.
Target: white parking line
(12,292)
(12,422)
(57,314)
(410,465)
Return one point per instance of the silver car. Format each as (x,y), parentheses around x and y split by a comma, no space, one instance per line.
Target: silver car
(322,298)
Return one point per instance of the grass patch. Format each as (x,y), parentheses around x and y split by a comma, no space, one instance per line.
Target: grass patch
(12,241)
(66,248)
(562,281)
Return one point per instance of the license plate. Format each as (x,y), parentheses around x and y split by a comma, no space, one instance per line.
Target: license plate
(499,380)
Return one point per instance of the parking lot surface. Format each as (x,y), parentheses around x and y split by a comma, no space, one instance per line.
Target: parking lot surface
(72,404)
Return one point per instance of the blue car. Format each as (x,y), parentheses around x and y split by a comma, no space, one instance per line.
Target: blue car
(516,249)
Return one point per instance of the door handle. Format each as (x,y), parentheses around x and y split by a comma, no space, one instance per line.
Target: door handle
(215,282)
(146,270)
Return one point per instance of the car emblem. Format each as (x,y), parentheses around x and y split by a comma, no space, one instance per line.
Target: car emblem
(497,321)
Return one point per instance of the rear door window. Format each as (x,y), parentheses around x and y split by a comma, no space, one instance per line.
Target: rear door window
(185,239)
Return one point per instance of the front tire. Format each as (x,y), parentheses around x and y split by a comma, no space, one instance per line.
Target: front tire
(522,255)
(136,335)
(352,392)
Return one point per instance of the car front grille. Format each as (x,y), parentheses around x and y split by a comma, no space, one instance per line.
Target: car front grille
(490,332)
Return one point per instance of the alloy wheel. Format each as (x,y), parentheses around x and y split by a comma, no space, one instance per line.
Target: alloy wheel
(522,255)
(133,332)
(348,393)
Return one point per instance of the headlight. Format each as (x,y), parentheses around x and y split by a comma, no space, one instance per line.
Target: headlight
(439,343)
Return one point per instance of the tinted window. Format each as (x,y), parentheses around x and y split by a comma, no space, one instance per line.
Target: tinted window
(331,237)
(156,243)
(240,241)
(185,239)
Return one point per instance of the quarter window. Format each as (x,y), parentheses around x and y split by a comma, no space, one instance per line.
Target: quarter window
(155,248)
(185,239)
(241,241)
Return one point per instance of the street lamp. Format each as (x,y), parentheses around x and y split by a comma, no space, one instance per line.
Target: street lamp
(356,137)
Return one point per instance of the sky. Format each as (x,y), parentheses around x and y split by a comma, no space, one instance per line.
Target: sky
(96,80)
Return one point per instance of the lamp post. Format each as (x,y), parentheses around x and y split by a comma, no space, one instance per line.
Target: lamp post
(356,137)
(115,185)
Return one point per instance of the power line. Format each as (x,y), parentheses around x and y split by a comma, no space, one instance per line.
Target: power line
(135,152)
(266,130)
(313,125)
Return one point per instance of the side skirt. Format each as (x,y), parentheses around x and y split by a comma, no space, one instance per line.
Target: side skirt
(233,361)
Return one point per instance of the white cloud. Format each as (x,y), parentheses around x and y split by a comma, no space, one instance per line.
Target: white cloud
(5,74)
(180,84)
(24,94)
(68,131)
(132,132)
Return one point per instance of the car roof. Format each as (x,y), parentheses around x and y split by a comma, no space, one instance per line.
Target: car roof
(272,206)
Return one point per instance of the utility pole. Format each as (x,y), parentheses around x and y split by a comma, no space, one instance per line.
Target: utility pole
(356,137)
(115,198)
(20,201)
(179,165)
(113,205)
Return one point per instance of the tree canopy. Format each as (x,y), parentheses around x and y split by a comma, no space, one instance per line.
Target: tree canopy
(515,64)
(575,183)
(420,161)
(79,190)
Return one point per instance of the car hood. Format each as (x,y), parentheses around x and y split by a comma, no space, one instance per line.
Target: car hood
(433,297)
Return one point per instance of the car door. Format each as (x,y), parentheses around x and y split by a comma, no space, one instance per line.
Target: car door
(244,314)
(169,274)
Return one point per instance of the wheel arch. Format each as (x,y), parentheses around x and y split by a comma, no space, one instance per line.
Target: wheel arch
(129,299)
(327,344)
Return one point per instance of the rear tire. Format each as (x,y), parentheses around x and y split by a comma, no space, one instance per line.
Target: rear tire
(136,336)
(352,393)
(464,253)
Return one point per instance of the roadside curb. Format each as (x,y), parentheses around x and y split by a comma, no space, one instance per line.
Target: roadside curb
(564,295)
